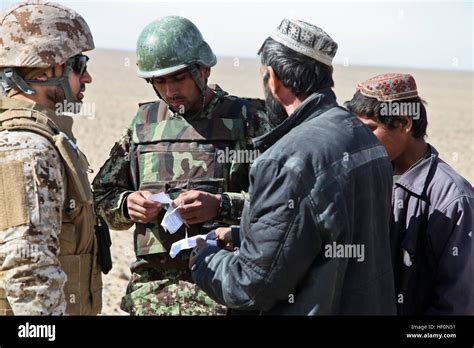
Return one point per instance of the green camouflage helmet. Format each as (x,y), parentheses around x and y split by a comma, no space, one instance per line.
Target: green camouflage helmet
(170,44)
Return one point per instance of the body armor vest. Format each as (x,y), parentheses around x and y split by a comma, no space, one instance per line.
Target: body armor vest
(173,155)
(78,243)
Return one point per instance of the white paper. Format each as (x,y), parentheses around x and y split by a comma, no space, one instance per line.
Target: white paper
(188,243)
(172,220)
(161,197)
(183,244)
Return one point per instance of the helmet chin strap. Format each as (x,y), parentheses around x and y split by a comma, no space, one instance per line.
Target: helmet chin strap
(196,75)
(10,78)
(62,81)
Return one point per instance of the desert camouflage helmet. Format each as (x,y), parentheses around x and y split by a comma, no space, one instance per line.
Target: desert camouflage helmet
(37,34)
(171,44)
(41,34)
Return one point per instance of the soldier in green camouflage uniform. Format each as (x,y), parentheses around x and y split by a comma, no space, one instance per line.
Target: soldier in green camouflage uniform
(180,146)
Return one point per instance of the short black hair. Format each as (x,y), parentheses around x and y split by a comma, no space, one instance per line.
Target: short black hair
(372,108)
(301,74)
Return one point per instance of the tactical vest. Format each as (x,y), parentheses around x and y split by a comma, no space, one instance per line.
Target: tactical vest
(78,243)
(172,155)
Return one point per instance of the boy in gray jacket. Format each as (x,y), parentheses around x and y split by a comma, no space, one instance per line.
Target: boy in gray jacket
(431,225)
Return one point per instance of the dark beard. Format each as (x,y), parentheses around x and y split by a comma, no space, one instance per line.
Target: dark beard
(58,97)
(276,112)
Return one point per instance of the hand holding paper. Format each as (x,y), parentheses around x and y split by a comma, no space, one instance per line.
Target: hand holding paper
(141,208)
(172,220)
(189,243)
(197,206)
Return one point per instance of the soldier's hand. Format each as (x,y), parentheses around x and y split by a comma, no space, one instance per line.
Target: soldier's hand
(198,206)
(140,208)
(224,238)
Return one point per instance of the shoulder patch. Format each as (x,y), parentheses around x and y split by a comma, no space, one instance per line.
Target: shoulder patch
(13,210)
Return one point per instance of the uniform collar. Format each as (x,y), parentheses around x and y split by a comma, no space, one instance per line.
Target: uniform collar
(63,123)
(417,178)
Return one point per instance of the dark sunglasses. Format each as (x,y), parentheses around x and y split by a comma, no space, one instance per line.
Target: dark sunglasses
(79,63)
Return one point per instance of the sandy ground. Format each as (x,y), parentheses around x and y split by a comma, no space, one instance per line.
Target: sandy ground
(115,92)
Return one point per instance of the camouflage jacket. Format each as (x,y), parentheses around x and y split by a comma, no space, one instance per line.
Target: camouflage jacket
(29,251)
(48,249)
(163,151)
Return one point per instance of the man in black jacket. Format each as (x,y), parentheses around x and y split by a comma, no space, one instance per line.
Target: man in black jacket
(315,227)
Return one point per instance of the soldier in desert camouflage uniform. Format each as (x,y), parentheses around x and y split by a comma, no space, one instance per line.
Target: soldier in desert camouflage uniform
(173,146)
(48,261)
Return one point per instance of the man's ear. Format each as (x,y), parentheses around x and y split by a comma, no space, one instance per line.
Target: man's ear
(57,71)
(42,77)
(46,75)
(407,123)
(205,72)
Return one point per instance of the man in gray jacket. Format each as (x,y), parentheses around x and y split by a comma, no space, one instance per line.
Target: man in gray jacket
(315,227)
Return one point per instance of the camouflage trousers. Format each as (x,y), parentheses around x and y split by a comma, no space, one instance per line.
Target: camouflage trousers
(158,290)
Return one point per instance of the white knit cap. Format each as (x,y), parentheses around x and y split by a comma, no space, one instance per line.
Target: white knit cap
(307,39)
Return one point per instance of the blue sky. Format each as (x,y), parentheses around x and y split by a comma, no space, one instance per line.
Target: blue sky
(422,34)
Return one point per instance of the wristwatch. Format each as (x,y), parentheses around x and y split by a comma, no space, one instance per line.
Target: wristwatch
(225,207)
